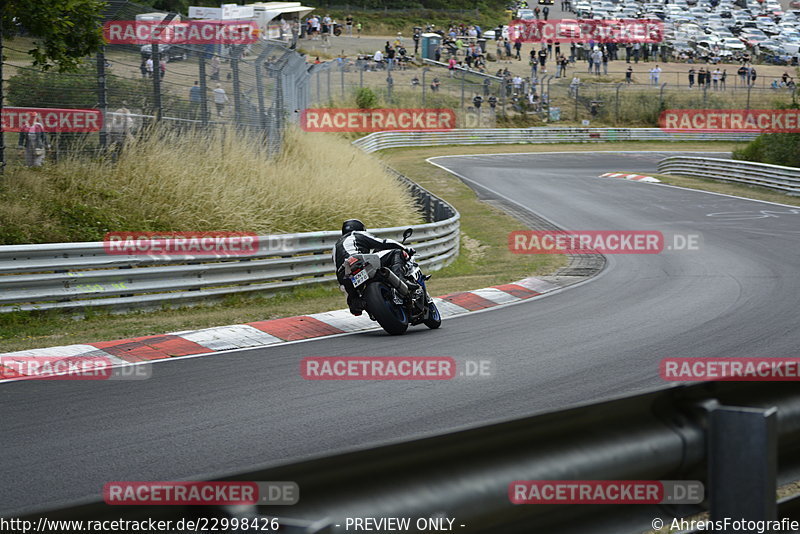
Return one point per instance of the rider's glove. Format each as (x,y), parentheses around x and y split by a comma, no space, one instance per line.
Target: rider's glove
(410,251)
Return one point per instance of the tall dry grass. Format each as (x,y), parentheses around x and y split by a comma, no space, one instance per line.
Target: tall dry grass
(202,182)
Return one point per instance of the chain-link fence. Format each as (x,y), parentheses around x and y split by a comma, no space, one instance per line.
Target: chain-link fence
(570,94)
(259,86)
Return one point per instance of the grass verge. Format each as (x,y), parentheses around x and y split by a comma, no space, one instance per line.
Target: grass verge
(201,181)
(484,258)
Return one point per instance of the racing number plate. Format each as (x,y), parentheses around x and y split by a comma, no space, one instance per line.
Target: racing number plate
(359,278)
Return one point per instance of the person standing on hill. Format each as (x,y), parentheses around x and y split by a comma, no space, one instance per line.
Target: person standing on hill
(220,99)
(33,140)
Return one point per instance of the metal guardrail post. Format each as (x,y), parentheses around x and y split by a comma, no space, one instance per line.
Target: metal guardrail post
(102,94)
(201,74)
(742,452)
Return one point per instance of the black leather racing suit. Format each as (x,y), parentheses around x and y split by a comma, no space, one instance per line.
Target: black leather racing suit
(365,243)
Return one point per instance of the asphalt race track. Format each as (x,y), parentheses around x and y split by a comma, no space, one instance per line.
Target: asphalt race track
(735,296)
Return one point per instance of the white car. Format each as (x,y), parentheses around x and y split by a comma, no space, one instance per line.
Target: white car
(792,46)
(525,14)
(733,44)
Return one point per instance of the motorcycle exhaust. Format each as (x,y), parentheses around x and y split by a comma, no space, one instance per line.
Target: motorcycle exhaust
(394,280)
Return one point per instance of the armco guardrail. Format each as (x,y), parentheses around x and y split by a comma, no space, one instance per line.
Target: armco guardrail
(81,275)
(786,179)
(739,439)
(496,136)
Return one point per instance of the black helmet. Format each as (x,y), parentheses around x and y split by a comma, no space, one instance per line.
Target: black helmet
(352,225)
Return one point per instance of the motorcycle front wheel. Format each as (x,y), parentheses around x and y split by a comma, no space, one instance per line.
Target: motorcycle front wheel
(434,319)
(380,303)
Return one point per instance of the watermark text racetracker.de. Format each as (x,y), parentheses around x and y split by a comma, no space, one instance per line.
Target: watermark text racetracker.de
(733,369)
(139,32)
(219,244)
(201,493)
(15,367)
(606,492)
(376,120)
(600,242)
(392,368)
(621,31)
(730,120)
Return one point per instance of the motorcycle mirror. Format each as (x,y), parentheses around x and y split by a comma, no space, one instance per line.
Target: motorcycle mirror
(407,233)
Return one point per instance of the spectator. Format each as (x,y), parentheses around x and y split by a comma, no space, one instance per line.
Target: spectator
(604,59)
(215,68)
(358,30)
(629,75)
(701,77)
(722,79)
(143,68)
(390,54)
(194,99)
(348,23)
(149,67)
(715,78)
(636,50)
(545,12)
(597,57)
(162,68)
(34,141)
(435,85)
(742,72)
(655,75)
(220,99)
(692,72)
(517,49)
(753,76)
(573,86)
(492,102)
(543,59)
(477,101)
(507,45)
(451,66)
(121,126)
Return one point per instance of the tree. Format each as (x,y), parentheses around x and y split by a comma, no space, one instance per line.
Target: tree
(65,31)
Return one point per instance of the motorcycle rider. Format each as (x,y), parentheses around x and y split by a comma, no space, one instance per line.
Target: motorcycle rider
(356,240)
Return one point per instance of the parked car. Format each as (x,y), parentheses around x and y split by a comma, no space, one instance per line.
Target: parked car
(165,51)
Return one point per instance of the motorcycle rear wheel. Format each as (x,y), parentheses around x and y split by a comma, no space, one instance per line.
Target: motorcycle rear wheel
(380,303)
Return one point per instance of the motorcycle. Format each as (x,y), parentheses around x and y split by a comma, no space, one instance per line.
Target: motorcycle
(387,298)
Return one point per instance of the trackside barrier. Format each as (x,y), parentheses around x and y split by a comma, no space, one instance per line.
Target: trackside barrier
(697,432)
(79,275)
(497,136)
(786,179)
